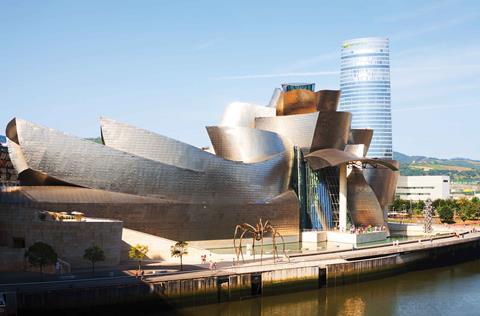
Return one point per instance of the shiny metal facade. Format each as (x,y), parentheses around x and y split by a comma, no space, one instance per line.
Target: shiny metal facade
(298,101)
(168,219)
(327,100)
(333,157)
(243,114)
(245,144)
(362,203)
(310,131)
(361,136)
(383,182)
(149,145)
(171,189)
(87,164)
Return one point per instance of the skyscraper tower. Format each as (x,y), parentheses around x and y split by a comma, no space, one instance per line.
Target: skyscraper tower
(365,87)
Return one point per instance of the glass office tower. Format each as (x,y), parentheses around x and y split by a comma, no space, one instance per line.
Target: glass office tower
(365,86)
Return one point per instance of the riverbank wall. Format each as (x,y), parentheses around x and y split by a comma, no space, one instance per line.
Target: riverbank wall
(243,282)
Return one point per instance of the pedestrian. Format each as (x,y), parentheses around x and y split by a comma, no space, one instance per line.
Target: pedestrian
(214,265)
(142,274)
(211,265)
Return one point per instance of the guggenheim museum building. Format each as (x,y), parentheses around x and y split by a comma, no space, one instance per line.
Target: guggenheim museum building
(295,162)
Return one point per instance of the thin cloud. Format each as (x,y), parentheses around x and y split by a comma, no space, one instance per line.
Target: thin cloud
(416,13)
(309,62)
(434,107)
(207,44)
(435,27)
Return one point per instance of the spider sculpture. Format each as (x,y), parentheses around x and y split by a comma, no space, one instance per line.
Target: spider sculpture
(257,233)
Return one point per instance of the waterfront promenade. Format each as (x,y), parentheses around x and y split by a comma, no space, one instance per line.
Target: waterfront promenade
(167,271)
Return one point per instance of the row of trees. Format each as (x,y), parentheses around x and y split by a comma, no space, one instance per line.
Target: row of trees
(447,210)
(41,254)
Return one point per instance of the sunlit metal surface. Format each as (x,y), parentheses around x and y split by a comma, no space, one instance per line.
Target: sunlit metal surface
(277,96)
(49,196)
(383,182)
(87,164)
(355,149)
(333,157)
(327,100)
(298,101)
(361,136)
(362,203)
(169,219)
(310,131)
(147,144)
(331,130)
(244,144)
(243,114)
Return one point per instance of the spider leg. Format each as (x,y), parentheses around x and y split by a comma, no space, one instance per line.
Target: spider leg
(240,246)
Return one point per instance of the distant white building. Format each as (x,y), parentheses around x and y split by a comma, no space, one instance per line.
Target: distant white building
(423,187)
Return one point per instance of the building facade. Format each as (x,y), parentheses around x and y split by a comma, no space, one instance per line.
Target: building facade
(422,188)
(365,90)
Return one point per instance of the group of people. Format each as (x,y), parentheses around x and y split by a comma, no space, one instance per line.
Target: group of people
(212,264)
(368,229)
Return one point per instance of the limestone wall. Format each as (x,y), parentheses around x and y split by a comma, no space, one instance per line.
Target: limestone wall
(69,239)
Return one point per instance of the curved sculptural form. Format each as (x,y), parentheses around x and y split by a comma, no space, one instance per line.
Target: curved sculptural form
(242,114)
(333,157)
(244,144)
(87,164)
(361,136)
(327,100)
(152,146)
(363,205)
(383,182)
(257,232)
(299,101)
(310,131)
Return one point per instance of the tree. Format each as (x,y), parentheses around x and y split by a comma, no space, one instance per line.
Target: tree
(138,252)
(94,254)
(178,250)
(446,214)
(41,254)
(465,209)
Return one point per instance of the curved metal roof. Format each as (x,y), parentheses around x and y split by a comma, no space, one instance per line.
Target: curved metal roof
(332,157)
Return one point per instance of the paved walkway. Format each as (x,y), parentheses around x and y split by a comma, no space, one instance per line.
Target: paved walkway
(169,270)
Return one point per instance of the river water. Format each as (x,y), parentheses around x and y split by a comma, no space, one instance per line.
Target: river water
(450,290)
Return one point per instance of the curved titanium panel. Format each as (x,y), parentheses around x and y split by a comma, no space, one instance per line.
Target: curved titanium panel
(361,136)
(383,182)
(327,100)
(244,144)
(298,101)
(362,203)
(331,130)
(87,164)
(298,129)
(310,131)
(333,157)
(51,195)
(242,114)
(168,219)
(152,146)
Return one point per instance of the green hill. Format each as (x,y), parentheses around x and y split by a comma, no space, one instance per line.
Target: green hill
(459,169)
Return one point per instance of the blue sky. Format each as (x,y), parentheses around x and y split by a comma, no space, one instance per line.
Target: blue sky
(172,66)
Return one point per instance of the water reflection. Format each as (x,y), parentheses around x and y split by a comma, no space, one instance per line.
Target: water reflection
(452,290)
